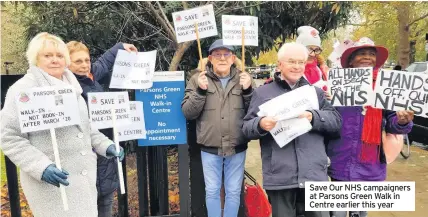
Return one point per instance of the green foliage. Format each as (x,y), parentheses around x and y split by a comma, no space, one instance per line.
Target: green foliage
(381,24)
(13,41)
(102,24)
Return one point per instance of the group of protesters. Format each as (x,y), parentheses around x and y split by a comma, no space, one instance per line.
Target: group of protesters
(344,143)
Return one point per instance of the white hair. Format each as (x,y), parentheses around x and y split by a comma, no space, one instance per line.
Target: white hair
(292,48)
(38,43)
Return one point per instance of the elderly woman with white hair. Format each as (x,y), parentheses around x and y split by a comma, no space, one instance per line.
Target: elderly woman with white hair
(32,152)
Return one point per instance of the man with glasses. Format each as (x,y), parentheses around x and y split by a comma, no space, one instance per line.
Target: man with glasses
(217,98)
(286,169)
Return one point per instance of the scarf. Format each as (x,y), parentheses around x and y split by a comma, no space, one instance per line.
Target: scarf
(313,74)
(372,131)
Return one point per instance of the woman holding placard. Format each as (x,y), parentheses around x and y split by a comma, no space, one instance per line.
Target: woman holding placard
(359,154)
(32,152)
(90,78)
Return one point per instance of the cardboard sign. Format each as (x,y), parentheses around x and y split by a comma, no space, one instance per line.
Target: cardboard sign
(290,105)
(133,71)
(100,105)
(44,108)
(351,86)
(137,128)
(286,130)
(232,30)
(398,90)
(184,23)
(165,122)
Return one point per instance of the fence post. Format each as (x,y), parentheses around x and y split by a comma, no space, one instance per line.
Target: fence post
(122,199)
(183,179)
(12,185)
(158,180)
(143,199)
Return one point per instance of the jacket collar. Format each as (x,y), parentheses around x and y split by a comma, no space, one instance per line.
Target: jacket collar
(282,83)
(44,79)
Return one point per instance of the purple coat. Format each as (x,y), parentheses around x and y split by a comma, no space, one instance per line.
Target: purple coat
(344,152)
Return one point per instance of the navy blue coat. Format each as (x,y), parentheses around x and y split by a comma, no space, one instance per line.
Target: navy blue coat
(107,178)
(304,158)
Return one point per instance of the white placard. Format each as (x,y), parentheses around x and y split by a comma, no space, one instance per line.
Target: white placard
(360,196)
(291,104)
(287,130)
(350,86)
(44,108)
(100,105)
(133,70)
(184,23)
(398,91)
(232,30)
(137,129)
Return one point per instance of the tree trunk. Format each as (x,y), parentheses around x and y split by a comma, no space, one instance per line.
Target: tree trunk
(412,51)
(403,35)
(178,55)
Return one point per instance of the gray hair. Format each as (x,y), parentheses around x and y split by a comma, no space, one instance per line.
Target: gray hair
(292,48)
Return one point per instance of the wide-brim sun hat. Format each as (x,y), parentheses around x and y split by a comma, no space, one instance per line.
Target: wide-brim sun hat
(381,52)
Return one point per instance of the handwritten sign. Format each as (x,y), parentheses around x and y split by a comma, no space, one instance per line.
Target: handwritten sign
(184,23)
(100,105)
(398,90)
(44,108)
(137,128)
(351,86)
(290,105)
(133,71)
(286,130)
(232,30)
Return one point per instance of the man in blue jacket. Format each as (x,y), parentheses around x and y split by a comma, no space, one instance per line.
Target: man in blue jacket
(286,169)
(90,77)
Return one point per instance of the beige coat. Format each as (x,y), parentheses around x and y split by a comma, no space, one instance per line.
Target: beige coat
(32,153)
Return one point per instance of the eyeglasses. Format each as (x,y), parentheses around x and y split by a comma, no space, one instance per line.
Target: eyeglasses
(315,51)
(78,62)
(219,55)
(295,62)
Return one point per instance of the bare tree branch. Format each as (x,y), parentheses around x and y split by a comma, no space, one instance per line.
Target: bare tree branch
(163,22)
(416,20)
(165,17)
(237,8)
(185,5)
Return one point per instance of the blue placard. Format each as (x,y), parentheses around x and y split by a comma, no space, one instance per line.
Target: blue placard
(165,122)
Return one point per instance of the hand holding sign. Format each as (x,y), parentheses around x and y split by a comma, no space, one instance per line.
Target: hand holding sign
(130,47)
(267,123)
(328,95)
(404,117)
(203,80)
(307,115)
(244,80)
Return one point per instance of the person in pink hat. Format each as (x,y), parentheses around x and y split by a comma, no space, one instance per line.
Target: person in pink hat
(358,155)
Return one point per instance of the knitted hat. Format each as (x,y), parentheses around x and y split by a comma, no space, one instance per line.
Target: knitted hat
(308,36)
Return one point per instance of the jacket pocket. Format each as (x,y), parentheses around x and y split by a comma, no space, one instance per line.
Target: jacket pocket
(212,101)
(236,100)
